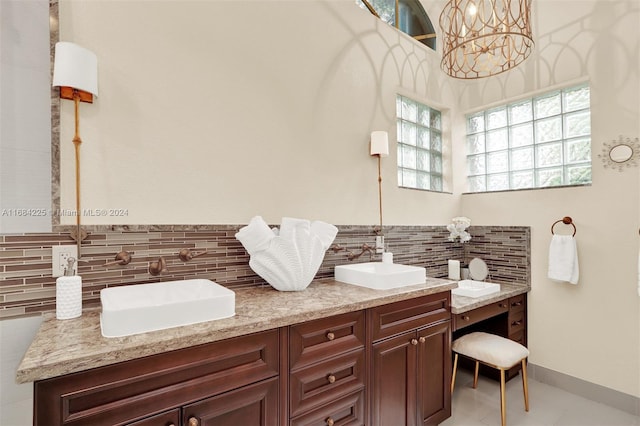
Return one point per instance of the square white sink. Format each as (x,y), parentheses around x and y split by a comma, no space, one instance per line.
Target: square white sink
(472,288)
(140,308)
(380,276)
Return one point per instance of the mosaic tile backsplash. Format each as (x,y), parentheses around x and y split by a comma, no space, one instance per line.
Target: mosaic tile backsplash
(27,287)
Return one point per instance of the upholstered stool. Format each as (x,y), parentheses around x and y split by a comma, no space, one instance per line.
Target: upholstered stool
(494,351)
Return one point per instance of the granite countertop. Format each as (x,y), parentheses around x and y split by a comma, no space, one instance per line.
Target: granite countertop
(68,346)
(460,304)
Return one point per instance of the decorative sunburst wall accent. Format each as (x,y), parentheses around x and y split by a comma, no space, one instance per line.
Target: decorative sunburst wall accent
(620,153)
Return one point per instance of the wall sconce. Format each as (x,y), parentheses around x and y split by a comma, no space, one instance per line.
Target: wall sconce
(75,72)
(380,148)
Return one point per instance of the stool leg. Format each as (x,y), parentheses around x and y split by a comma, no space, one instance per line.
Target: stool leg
(525,385)
(503,402)
(453,376)
(475,375)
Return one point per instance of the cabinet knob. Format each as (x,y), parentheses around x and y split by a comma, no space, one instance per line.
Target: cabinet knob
(414,342)
(516,304)
(330,336)
(465,318)
(516,323)
(502,305)
(331,378)
(422,339)
(193,421)
(330,421)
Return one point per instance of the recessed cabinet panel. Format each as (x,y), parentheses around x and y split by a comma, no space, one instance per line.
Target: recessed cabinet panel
(346,411)
(434,378)
(314,341)
(395,318)
(130,390)
(318,384)
(394,381)
(253,405)
(169,418)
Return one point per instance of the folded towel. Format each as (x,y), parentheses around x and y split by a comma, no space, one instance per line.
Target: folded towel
(563,259)
(325,231)
(256,236)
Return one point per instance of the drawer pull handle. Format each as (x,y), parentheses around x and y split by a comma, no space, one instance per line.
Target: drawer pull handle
(516,304)
(465,318)
(330,336)
(516,323)
(330,421)
(422,339)
(193,421)
(331,378)
(502,305)
(414,342)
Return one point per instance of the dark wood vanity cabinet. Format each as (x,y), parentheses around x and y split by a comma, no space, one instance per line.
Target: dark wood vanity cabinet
(507,318)
(411,362)
(389,365)
(199,382)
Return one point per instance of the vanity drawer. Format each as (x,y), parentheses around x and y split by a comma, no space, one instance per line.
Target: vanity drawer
(516,322)
(395,318)
(517,303)
(317,340)
(479,314)
(348,410)
(323,383)
(518,336)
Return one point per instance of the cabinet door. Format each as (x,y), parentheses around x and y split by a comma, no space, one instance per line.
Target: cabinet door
(393,400)
(253,405)
(168,418)
(434,373)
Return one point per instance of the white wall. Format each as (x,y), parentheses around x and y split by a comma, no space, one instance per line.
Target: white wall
(590,331)
(215,111)
(16,401)
(25,117)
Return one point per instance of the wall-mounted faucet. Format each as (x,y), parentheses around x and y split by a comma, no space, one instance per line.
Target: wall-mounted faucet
(186,254)
(158,267)
(365,248)
(122,258)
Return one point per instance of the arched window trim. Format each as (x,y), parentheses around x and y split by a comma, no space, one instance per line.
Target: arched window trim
(425,33)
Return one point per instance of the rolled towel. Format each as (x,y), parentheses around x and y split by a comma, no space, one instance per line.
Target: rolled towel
(563,259)
(325,231)
(256,236)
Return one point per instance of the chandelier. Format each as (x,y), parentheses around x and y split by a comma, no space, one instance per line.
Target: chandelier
(485,37)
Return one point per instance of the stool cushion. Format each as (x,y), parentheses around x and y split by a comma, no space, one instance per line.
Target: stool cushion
(490,349)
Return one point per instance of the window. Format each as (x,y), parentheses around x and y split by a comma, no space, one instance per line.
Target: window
(540,142)
(412,18)
(419,129)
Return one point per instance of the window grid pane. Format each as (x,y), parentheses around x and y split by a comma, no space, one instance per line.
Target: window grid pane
(540,142)
(419,151)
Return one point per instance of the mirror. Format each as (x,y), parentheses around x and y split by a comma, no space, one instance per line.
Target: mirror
(620,153)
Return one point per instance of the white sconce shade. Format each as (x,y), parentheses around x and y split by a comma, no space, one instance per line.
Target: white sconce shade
(75,67)
(380,143)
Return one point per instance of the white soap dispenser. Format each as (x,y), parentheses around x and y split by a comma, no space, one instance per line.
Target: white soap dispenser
(69,293)
(387,256)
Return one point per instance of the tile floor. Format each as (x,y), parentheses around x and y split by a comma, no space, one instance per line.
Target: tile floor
(548,406)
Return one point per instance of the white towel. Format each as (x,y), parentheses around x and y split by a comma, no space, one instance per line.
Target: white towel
(563,259)
(288,227)
(256,236)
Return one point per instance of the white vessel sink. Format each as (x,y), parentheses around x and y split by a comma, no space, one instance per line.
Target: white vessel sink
(140,308)
(380,276)
(471,288)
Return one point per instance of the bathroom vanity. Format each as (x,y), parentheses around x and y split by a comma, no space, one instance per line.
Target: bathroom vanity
(503,313)
(332,354)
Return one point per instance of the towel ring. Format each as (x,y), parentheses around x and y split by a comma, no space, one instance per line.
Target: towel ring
(567,221)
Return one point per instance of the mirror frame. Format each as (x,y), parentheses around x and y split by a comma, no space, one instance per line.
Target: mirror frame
(609,147)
